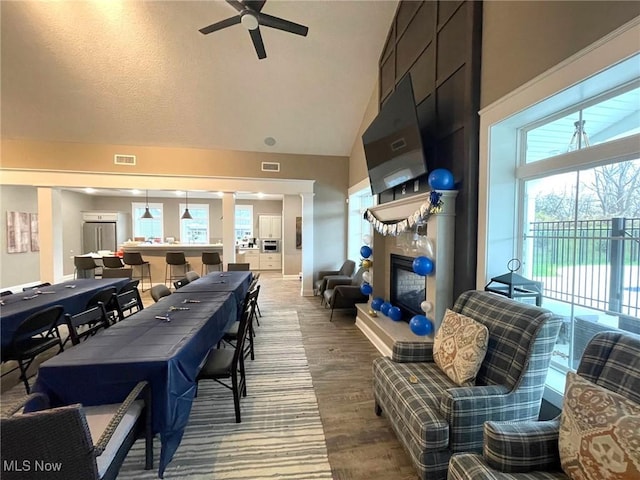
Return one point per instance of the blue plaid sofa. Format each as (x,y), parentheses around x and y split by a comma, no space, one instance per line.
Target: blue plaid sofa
(529,450)
(433,417)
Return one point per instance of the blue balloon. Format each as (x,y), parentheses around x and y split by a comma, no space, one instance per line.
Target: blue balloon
(395,314)
(441,179)
(385,308)
(365,251)
(376,303)
(366,289)
(421,325)
(422,265)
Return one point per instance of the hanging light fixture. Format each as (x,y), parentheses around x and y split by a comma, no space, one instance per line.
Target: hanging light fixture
(186,215)
(147,213)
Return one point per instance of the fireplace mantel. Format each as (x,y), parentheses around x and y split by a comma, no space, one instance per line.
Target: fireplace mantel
(405,207)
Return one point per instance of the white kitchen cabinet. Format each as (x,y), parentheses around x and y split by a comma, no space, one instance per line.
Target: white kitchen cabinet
(270,226)
(252,257)
(270,261)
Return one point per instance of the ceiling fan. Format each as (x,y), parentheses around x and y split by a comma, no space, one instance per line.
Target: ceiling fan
(250,15)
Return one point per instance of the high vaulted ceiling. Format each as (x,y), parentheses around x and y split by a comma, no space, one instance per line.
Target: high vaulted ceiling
(139,73)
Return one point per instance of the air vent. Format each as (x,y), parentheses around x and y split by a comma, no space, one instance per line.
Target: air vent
(270,167)
(124,159)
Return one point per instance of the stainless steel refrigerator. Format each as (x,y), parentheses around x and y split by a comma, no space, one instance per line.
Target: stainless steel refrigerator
(103,232)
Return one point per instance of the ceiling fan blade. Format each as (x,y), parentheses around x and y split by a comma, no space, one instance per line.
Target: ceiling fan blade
(220,25)
(281,24)
(256,36)
(236,4)
(255,5)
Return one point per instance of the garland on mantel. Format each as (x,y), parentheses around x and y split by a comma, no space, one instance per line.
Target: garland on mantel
(434,205)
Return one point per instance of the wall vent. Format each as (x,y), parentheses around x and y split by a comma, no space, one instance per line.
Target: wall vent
(270,167)
(124,159)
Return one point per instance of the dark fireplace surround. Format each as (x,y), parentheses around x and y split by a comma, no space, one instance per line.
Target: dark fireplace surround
(407,289)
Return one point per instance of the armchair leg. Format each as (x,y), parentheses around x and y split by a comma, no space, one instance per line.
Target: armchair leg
(378,409)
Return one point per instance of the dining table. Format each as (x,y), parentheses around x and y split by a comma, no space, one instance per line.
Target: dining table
(165,344)
(73,295)
(236,283)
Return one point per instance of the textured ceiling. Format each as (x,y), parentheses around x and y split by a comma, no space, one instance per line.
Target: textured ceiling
(140,73)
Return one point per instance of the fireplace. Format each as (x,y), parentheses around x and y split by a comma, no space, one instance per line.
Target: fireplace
(407,289)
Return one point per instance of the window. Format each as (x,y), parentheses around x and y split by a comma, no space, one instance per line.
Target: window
(358,226)
(571,163)
(244,222)
(147,228)
(196,229)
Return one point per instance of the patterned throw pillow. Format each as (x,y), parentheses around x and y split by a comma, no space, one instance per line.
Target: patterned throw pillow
(598,433)
(460,346)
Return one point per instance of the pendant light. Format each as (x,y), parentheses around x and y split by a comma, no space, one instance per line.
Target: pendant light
(186,215)
(147,213)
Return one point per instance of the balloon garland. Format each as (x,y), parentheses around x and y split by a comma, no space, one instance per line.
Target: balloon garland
(434,205)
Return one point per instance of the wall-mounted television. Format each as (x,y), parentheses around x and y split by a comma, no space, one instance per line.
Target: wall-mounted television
(392,143)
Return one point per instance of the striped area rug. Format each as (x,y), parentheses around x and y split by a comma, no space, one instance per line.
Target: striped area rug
(281,434)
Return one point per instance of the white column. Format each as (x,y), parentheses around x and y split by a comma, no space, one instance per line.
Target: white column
(308,263)
(228,228)
(50,234)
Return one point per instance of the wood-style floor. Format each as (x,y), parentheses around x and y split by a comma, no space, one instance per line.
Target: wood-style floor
(361,446)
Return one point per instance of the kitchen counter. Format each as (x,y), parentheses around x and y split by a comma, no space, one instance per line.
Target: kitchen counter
(155,253)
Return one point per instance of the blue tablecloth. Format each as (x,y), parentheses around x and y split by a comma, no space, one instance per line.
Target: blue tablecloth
(105,368)
(72,295)
(234,282)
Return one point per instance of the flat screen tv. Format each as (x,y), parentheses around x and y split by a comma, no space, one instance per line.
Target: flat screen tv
(392,143)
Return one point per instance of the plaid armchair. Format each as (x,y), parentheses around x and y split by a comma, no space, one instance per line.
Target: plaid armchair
(529,450)
(432,416)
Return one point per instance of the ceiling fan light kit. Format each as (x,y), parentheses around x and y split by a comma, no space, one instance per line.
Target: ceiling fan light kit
(251,17)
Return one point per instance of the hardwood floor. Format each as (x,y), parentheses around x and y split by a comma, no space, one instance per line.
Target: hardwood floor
(361,446)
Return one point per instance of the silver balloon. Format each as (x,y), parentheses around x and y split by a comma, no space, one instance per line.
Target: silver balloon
(366,276)
(426,306)
(367,239)
(428,248)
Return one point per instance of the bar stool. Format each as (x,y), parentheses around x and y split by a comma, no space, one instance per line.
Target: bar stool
(175,259)
(211,259)
(134,259)
(85,267)
(112,262)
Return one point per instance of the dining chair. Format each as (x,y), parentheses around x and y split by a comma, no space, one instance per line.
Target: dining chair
(5,293)
(86,442)
(86,324)
(106,297)
(226,365)
(134,259)
(180,283)
(211,259)
(230,336)
(191,276)
(117,273)
(237,267)
(36,334)
(159,291)
(127,303)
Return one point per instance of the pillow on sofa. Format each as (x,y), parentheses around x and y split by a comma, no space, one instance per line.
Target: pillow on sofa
(460,346)
(598,432)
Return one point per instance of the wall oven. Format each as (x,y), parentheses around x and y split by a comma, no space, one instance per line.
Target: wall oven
(270,246)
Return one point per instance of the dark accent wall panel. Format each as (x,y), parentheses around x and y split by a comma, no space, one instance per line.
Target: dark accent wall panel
(439,43)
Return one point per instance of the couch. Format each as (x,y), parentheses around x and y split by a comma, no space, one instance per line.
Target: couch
(434,417)
(610,366)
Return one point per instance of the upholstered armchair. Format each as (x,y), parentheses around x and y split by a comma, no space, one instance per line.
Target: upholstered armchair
(435,416)
(595,437)
(345,271)
(344,292)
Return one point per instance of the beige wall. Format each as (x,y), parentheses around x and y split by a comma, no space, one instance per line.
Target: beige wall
(291,256)
(73,204)
(522,39)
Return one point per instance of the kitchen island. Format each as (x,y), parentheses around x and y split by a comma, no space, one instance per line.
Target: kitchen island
(155,253)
